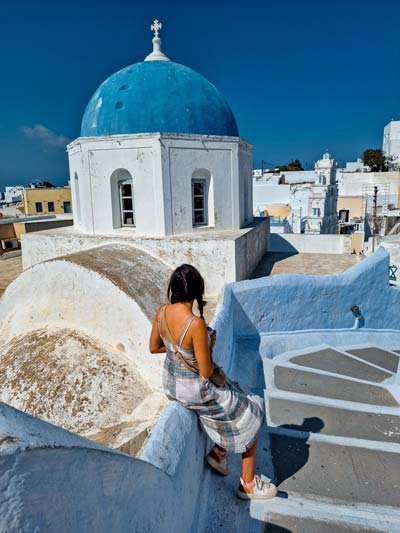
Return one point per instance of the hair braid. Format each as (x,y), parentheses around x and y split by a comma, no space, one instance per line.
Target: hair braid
(200,305)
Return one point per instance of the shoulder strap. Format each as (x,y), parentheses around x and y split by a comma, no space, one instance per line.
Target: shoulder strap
(160,314)
(185,329)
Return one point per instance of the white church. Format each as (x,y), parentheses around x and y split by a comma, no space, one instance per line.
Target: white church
(159,158)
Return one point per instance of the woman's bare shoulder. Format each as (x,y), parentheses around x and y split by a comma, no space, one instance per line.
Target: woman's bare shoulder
(198,324)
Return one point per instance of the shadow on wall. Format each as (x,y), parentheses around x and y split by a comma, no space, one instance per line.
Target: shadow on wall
(273,528)
(290,454)
(277,243)
(266,265)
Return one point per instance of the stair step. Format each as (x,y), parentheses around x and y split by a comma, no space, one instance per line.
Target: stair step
(337,362)
(327,385)
(339,468)
(377,356)
(335,420)
(299,514)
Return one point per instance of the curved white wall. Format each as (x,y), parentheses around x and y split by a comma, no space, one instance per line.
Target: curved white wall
(63,294)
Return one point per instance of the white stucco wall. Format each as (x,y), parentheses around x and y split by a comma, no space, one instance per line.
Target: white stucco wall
(351,183)
(78,298)
(308,243)
(266,193)
(391,140)
(213,253)
(161,167)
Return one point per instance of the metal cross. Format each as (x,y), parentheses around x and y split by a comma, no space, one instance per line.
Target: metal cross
(156,27)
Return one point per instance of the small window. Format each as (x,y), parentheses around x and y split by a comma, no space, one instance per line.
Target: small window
(50,207)
(39,207)
(199,202)
(126,201)
(67,207)
(316,211)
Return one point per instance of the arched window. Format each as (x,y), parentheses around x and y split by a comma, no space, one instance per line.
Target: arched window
(77,207)
(122,197)
(126,203)
(202,199)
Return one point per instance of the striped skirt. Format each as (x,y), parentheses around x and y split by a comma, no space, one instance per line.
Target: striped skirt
(229,416)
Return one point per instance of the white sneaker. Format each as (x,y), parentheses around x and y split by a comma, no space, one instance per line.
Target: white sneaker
(261,490)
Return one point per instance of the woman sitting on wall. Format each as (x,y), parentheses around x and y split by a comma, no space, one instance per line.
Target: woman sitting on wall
(230,417)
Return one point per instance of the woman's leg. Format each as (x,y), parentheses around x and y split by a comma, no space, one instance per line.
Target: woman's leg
(248,462)
(251,488)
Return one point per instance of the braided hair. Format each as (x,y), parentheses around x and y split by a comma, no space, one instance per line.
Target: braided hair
(185,285)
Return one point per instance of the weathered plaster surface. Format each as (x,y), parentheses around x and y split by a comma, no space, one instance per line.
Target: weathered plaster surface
(109,295)
(75,343)
(217,254)
(69,379)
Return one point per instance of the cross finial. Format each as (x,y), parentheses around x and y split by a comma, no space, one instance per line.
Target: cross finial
(156,27)
(156,54)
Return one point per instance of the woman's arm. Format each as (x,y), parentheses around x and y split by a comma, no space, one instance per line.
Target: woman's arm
(201,349)
(156,344)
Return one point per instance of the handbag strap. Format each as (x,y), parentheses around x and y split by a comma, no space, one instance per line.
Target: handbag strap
(178,354)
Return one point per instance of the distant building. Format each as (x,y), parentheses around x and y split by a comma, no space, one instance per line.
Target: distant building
(11,229)
(41,201)
(310,194)
(13,194)
(391,143)
(356,166)
(356,187)
(322,205)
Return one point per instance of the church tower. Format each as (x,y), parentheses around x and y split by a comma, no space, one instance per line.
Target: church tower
(322,211)
(159,154)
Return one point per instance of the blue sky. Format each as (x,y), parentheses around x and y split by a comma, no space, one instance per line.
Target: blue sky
(300,76)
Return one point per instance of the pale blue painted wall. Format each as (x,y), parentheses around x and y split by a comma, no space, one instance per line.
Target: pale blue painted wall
(52,480)
(55,481)
(300,302)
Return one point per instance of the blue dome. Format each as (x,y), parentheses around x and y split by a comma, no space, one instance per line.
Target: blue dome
(158,96)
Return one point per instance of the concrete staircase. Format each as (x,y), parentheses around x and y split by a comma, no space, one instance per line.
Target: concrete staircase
(334,425)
